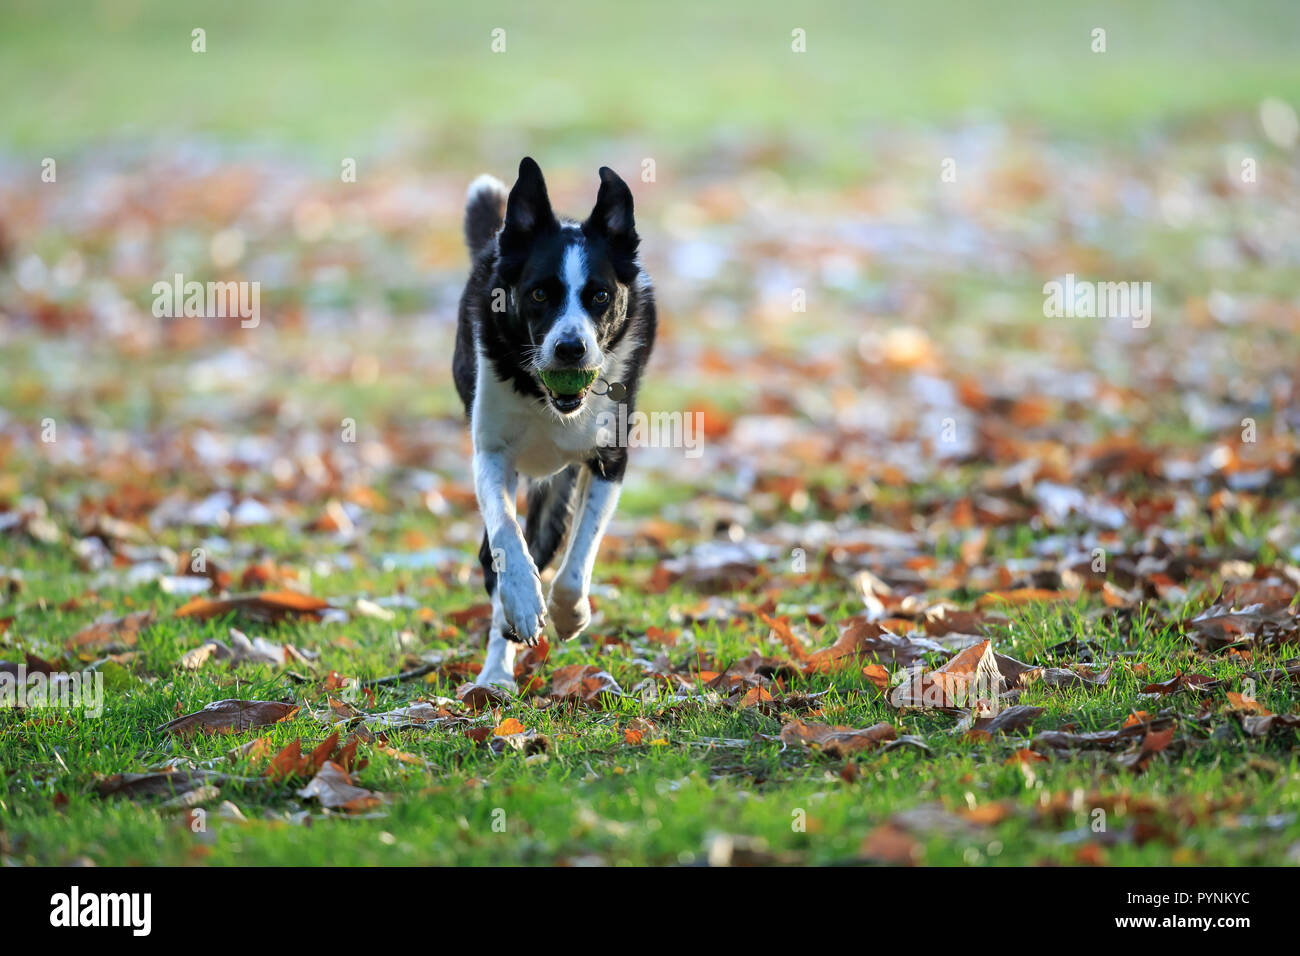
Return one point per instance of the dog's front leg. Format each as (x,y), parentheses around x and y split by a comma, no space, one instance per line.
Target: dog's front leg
(518,611)
(569,607)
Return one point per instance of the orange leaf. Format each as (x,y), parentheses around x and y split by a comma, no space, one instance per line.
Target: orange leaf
(1024,755)
(286,763)
(1019,596)
(509,726)
(1248,704)
(754,696)
(877,675)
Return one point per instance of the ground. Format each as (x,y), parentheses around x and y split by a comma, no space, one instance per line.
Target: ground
(918,505)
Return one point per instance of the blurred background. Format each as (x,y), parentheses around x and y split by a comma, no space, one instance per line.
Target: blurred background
(761,174)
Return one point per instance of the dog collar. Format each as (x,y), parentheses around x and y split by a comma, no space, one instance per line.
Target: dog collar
(617,391)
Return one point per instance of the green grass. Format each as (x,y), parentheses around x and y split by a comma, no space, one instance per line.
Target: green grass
(594,796)
(413,91)
(353,79)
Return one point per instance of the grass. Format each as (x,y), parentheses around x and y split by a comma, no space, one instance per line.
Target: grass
(353,80)
(848,134)
(594,796)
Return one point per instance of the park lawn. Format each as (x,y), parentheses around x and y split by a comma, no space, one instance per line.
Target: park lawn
(356,80)
(707,773)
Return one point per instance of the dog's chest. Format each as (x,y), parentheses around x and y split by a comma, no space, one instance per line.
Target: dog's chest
(535,439)
(549,445)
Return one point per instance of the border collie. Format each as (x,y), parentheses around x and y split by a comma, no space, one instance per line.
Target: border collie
(556,324)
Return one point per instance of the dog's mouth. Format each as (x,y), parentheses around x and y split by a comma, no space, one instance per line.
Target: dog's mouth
(567,388)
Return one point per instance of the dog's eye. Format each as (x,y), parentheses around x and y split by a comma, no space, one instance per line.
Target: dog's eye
(538,295)
(600,297)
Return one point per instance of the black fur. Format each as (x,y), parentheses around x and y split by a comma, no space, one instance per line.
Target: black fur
(550,506)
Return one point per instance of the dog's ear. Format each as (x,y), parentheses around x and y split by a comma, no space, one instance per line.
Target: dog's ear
(612,220)
(528,210)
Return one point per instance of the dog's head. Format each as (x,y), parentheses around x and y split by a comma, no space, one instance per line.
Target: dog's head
(568,282)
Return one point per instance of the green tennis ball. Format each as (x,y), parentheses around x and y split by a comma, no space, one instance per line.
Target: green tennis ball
(568,381)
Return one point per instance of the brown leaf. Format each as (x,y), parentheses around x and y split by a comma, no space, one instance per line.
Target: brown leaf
(1024,755)
(1240,702)
(583,682)
(348,752)
(864,639)
(1062,678)
(323,752)
(1021,596)
(1197,683)
(335,790)
(1153,743)
(666,638)
(472,614)
(781,628)
(477,697)
(287,763)
(1009,718)
(159,784)
(268,606)
(877,675)
(1260,624)
(754,696)
(528,662)
(837,741)
(971,679)
(111,630)
(1101,739)
(890,844)
(254,750)
(230,716)
(1261,725)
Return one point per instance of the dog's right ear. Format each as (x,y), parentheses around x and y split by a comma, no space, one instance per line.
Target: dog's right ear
(528,210)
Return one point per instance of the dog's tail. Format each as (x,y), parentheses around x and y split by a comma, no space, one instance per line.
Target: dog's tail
(485,207)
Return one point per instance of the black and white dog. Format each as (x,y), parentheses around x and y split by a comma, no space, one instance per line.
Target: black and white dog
(556,324)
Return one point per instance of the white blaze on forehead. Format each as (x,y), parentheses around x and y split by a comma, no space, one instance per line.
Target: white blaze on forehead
(575,277)
(574,320)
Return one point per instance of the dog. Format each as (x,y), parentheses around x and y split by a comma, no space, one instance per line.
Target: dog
(555,327)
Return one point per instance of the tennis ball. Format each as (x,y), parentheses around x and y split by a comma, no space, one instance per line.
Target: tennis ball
(568,381)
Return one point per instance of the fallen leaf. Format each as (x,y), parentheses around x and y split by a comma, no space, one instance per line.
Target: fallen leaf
(334,789)
(108,630)
(837,741)
(230,716)
(890,844)
(1021,596)
(509,726)
(583,682)
(268,606)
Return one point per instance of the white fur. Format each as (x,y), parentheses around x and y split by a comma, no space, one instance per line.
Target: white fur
(499,664)
(569,607)
(485,184)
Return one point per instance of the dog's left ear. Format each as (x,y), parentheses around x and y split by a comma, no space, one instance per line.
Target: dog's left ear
(612,220)
(528,215)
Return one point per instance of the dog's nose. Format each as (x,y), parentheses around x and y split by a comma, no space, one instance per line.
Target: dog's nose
(570,349)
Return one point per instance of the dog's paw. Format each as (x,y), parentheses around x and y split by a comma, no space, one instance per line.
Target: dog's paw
(521,602)
(570,612)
